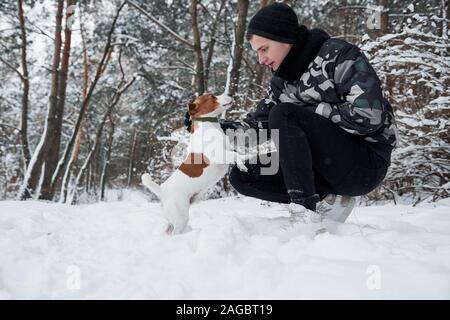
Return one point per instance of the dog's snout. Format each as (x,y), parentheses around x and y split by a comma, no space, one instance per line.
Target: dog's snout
(224,99)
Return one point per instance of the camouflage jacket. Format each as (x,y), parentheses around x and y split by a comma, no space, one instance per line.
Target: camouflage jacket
(334,79)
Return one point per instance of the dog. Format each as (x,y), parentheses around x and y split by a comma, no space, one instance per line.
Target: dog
(208,158)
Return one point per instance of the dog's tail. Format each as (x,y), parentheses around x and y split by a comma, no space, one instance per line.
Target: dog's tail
(149,183)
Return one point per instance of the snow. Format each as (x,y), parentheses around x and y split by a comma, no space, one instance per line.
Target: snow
(441,100)
(118,250)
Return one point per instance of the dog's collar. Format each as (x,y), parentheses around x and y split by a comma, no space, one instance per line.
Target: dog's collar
(205,119)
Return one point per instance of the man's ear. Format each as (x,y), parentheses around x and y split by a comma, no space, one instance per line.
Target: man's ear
(192,108)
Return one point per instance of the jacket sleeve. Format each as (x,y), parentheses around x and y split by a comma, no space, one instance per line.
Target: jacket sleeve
(362,110)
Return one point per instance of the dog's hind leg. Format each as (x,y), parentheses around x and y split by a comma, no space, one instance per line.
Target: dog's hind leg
(177,215)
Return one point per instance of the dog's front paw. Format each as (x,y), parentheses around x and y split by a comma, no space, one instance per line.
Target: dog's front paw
(170,229)
(173,229)
(176,224)
(241,165)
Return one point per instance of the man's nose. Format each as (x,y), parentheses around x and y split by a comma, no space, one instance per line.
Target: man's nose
(262,59)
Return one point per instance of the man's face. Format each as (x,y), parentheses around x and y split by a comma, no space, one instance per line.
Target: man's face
(270,52)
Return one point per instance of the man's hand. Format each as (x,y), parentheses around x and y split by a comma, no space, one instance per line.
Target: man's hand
(187,121)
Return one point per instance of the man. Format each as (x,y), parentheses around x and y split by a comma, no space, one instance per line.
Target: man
(336,131)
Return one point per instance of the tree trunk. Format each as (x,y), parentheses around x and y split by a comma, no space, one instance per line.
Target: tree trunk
(447,16)
(83,94)
(132,159)
(105,171)
(199,70)
(344,14)
(384,23)
(63,163)
(47,148)
(445,7)
(260,70)
(212,42)
(26,88)
(76,148)
(238,47)
(49,191)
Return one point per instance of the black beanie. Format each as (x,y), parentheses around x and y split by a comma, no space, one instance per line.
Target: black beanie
(277,22)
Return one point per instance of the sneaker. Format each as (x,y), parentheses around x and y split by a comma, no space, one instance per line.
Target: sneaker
(302,221)
(336,207)
(300,214)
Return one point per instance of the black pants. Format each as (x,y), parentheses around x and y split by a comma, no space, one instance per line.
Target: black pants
(316,158)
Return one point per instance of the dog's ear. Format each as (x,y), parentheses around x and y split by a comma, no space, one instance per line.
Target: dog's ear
(192,108)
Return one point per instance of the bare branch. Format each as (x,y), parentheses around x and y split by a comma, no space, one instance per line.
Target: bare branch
(212,42)
(39,29)
(161,25)
(115,99)
(185,64)
(9,126)
(64,159)
(199,74)
(12,68)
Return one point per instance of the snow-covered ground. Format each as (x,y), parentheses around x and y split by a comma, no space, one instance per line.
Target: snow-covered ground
(117,250)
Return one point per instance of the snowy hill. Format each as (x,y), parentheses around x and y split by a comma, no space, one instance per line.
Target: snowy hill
(117,250)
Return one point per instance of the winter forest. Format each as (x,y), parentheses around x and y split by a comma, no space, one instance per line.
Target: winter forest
(93,94)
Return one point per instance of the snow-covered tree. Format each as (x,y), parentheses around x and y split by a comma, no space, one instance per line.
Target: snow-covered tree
(414,67)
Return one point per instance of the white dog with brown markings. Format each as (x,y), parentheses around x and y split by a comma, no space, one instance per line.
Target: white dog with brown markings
(208,158)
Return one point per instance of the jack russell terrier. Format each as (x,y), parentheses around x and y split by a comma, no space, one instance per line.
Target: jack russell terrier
(208,158)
